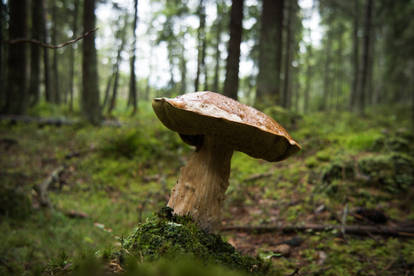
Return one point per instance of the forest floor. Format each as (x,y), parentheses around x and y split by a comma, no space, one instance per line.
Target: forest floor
(351,171)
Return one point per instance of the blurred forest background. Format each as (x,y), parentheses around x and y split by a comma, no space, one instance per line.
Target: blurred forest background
(83,158)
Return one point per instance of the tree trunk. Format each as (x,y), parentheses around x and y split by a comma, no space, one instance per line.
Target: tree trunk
(90,89)
(339,68)
(46,63)
(107,89)
(55,73)
(355,57)
(327,70)
(270,52)
(132,78)
(35,53)
(112,103)
(370,83)
(183,68)
(365,57)
(203,63)
(287,97)
(231,83)
(2,72)
(217,47)
(72,53)
(308,78)
(2,86)
(16,79)
(201,36)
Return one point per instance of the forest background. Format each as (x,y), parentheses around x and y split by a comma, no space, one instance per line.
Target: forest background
(76,83)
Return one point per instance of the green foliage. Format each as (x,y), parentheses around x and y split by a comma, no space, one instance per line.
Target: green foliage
(139,142)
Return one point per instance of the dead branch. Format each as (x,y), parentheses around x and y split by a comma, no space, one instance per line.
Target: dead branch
(42,188)
(50,46)
(349,229)
(50,121)
(258,176)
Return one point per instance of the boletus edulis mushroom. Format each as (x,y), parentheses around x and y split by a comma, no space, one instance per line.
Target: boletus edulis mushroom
(216,125)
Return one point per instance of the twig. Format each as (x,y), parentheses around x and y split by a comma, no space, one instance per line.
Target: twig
(50,46)
(350,229)
(258,176)
(42,188)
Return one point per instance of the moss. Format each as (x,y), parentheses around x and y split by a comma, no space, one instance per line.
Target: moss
(173,237)
(15,199)
(338,169)
(392,143)
(393,172)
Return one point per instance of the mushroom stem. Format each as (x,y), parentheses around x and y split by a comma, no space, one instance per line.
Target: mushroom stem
(200,188)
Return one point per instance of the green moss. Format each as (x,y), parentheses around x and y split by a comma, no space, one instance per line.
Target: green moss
(393,172)
(398,143)
(337,169)
(174,237)
(311,162)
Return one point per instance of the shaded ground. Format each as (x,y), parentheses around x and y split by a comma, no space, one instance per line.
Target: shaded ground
(351,171)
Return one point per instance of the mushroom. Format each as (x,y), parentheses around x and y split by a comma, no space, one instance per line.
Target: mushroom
(216,125)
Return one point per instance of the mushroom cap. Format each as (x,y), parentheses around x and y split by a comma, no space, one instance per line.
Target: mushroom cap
(242,127)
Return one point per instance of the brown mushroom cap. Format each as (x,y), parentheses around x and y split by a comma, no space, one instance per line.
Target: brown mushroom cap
(242,127)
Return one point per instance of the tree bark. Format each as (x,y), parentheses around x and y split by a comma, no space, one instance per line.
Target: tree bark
(355,57)
(327,69)
(72,53)
(132,78)
(2,48)
(339,68)
(231,83)
(112,103)
(365,57)
(2,86)
(270,52)
(308,78)
(46,62)
(107,89)
(55,72)
(16,80)
(201,36)
(34,87)
(90,90)
(183,68)
(287,97)
(218,24)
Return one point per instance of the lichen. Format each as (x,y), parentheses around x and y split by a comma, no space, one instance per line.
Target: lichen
(167,236)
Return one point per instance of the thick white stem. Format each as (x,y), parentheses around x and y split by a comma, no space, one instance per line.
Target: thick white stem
(200,188)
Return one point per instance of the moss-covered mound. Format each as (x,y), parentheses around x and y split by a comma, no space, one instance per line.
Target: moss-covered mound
(173,237)
(394,172)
